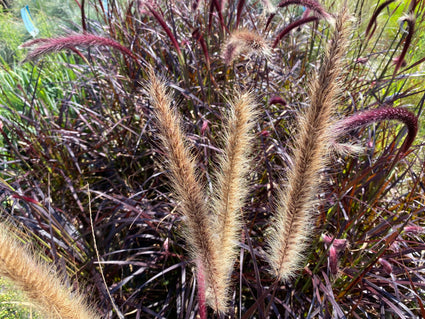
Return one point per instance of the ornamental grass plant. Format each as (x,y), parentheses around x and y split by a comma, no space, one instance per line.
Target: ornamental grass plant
(223,159)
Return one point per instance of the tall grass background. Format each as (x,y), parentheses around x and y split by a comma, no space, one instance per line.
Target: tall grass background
(84,182)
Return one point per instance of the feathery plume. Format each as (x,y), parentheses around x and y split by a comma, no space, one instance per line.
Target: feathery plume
(244,41)
(45,46)
(212,239)
(39,282)
(293,222)
(231,188)
(189,192)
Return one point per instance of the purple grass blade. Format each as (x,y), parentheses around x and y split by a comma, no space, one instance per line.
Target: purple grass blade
(197,35)
(372,22)
(166,29)
(241,4)
(269,20)
(215,4)
(292,26)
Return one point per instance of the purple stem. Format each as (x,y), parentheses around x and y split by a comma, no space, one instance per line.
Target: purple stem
(291,26)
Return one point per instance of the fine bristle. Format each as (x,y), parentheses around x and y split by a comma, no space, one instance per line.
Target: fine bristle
(293,220)
(39,282)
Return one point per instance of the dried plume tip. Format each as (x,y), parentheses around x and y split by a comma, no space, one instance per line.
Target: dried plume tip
(244,41)
(41,47)
(292,224)
(39,282)
(231,186)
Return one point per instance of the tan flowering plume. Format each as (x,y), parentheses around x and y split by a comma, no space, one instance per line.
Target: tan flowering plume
(293,221)
(231,186)
(244,41)
(211,231)
(40,283)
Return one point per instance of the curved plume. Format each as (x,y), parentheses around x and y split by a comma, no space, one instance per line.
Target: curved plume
(45,46)
(292,26)
(381,114)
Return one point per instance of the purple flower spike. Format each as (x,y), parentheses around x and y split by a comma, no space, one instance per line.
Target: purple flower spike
(277,100)
(371,27)
(414,229)
(44,46)
(333,260)
(384,113)
(388,268)
(339,244)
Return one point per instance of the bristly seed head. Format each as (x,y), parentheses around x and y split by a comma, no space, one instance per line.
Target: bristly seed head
(293,221)
(244,41)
